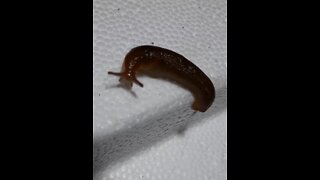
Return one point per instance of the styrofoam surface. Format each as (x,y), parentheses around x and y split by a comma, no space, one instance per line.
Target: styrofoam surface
(151,132)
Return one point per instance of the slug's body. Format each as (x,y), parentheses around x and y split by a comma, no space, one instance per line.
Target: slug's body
(163,63)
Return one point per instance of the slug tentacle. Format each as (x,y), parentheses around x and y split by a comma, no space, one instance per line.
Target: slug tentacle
(116,73)
(137,82)
(126,78)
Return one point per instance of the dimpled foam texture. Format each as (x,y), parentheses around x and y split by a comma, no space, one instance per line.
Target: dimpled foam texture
(152,132)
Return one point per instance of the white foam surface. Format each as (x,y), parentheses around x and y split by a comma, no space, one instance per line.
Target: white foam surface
(151,133)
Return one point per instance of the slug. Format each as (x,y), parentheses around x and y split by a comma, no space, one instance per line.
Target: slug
(163,63)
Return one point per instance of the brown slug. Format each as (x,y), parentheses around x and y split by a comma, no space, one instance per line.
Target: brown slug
(163,63)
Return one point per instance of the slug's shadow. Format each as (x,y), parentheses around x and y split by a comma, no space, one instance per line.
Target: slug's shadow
(123,87)
(124,144)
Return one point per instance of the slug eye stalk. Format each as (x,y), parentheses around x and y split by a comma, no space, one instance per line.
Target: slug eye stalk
(125,79)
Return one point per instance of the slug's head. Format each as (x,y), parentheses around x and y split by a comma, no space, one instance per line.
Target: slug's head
(126,79)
